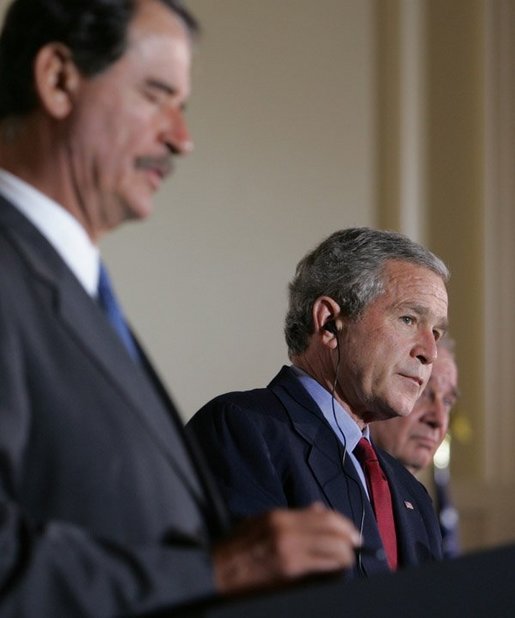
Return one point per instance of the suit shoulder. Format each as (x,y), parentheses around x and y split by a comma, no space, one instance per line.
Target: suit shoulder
(238,406)
(255,399)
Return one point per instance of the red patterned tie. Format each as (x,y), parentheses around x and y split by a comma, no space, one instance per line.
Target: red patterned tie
(380,497)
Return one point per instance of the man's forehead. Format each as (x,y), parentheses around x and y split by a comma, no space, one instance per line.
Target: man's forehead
(159,46)
(410,273)
(153,17)
(405,269)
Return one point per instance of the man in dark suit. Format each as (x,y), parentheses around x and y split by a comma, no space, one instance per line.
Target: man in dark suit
(104,508)
(366,311)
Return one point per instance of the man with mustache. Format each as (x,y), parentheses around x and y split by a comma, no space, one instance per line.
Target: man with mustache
(414,439)
(366,311)
(104,508)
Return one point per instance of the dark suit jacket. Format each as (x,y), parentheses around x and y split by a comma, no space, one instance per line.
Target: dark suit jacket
(272,447)
(102,510)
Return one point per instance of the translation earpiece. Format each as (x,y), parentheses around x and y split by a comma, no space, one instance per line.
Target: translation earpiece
(330,326)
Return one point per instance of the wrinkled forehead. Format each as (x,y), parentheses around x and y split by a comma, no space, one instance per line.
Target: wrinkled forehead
(397,268)
(406,283)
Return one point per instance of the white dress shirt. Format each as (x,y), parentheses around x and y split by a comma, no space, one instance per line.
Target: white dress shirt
(58,226)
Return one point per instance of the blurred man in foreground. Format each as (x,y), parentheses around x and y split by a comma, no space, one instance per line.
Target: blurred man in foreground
(104,508)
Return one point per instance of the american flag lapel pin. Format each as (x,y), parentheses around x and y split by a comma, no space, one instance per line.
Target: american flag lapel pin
(408,505)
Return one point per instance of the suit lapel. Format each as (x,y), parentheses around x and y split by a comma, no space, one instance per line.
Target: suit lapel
(91,331)
(334,472)
(345,494)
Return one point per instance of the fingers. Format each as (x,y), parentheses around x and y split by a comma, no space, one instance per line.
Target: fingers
(283,545)
(312,540)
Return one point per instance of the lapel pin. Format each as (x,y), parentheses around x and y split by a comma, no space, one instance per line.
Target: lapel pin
(408,505)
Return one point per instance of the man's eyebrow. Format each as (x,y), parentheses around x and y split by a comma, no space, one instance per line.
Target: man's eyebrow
(167,89)
(423,311)
(158,84)
(443,326)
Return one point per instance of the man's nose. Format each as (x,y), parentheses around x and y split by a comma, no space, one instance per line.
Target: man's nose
(425,349)
(437,412)
(176,134)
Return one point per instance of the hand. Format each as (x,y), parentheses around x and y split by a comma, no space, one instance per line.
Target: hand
(284,545)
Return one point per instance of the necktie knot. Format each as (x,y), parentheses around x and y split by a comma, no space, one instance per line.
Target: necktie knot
(365,452)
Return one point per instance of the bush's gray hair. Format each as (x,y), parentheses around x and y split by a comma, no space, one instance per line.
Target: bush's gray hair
(349,268)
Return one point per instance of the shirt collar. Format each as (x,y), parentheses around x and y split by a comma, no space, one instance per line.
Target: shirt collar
(58,226)
(345,428)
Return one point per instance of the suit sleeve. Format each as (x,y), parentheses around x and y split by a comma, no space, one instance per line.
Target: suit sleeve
(60,570)
(237,446)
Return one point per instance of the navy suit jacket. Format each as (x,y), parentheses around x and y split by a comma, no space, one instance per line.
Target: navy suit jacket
(272,447)
(103,509)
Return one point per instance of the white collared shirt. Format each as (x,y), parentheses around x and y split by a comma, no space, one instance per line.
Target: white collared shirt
(58,226)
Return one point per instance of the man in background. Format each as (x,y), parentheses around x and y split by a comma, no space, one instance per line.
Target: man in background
(104,508)
(414,439)
(366,311)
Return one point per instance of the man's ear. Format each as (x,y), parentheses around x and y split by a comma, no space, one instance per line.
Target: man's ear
(56,79)
(325,320)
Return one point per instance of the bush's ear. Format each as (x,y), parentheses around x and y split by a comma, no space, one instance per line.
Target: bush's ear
(56,79)
(325,321)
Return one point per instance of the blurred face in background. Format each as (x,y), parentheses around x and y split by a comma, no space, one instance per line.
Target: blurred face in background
(413,439)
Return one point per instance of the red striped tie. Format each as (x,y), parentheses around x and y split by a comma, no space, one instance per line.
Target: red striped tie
(380,497)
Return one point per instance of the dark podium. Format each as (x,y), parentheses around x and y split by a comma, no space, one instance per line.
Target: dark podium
(475,586)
